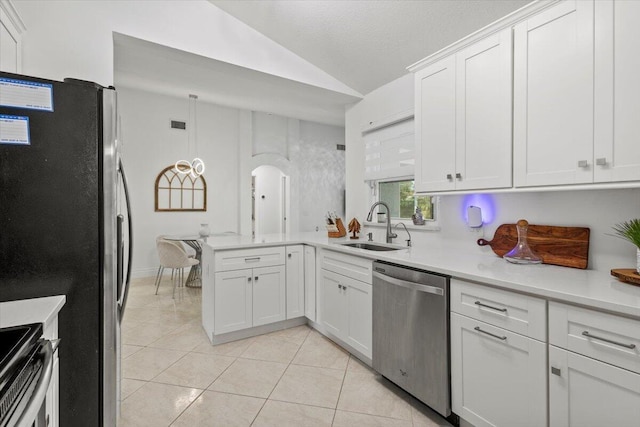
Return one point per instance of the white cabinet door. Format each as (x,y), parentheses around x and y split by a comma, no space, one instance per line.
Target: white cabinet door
(269,295)
(333,305)
(310,282)
(483,114)
(359,331)
(435,121)
(553,96)
(233,301)
(295,281)
(617,91)
(587,393)
(498,378)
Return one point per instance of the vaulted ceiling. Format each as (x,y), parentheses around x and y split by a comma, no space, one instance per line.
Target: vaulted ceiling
(367,43)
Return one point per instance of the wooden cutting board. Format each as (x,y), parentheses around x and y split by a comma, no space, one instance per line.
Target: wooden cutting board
(565,246)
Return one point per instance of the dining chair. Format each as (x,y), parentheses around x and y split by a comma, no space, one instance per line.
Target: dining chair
(174,257)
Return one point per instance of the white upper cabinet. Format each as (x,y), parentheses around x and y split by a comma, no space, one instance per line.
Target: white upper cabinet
(553,96)
(463,118)
(617,91)
(483,114)
(435,121)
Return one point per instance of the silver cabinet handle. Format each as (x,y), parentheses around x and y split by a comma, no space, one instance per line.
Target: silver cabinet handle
(449,176)
(458,175)
(602,161)
(556,371)
(339,286)
(252,259)
(588,335)
(503,310)
(248,279)
(289,255)
(477,328)
(255,278)
(583,164)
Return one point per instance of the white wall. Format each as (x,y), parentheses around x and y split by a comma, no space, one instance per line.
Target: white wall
(226,138)
(150,145)
(321,174)
(75,38)
(597,209)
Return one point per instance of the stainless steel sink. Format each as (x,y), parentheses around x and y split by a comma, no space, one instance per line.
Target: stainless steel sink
(372,247)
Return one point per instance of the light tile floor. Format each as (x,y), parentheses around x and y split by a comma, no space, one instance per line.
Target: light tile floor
(173,376)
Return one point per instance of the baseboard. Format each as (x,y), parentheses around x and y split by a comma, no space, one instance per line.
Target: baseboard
(258,330)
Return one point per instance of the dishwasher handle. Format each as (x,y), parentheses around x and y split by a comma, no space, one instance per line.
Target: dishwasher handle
(409,285)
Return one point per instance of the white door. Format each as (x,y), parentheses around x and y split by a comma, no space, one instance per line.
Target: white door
(435,121)
(334,304)
(359,332)
(553,96)
(483,114)
(269,295)
(617,91)
(310,282)
(232,301)
(497,376)
(584,392)
(295,281)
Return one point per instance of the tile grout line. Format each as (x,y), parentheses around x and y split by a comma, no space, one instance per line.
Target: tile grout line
(279,379)
(344,377)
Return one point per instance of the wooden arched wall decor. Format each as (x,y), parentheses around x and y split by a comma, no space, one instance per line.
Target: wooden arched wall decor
(180,192)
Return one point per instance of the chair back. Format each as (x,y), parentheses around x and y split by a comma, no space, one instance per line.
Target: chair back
(172,256)
(162,237)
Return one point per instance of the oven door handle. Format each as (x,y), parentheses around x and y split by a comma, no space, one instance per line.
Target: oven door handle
(409,285)
(33,407)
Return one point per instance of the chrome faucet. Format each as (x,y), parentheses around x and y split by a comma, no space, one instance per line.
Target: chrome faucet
(390,234)
(407,230)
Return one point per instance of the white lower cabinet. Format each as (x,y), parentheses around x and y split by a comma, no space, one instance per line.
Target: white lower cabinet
(346,303)
(310,282)
(269,295)
(584,392)
(295,281)
(498,378)
(233,300)
(249,297)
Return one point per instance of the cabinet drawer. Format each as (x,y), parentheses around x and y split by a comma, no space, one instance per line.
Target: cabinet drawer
(515,312)
(498,378)
(249,258)
(606,337)
(347,265)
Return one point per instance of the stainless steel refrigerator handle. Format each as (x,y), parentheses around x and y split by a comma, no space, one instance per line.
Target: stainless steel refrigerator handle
(409,285)
(33,407)
(122,299)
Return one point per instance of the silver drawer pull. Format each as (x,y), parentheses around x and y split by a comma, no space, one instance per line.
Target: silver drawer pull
(504,310)
(588,335)
(477,328)
(252,259)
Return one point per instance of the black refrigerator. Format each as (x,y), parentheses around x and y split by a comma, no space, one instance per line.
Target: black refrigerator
(65,229)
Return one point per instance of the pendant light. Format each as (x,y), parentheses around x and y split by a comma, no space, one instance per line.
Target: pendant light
(195,167)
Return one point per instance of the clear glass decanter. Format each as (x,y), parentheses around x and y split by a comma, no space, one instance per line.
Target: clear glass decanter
(522,253)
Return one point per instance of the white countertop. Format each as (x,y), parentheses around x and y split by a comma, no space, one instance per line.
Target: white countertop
(588,288)
(35,310)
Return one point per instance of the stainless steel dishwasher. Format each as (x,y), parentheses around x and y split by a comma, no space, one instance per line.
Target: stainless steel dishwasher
(411,332)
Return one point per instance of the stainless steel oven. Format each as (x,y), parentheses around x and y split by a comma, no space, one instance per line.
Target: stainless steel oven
(26,366)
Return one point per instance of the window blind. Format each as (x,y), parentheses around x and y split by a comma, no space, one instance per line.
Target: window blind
(390,151)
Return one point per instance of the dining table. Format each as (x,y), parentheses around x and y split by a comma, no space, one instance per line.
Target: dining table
(194,278)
